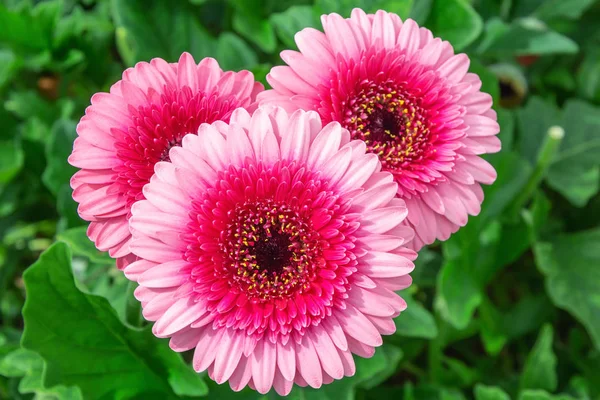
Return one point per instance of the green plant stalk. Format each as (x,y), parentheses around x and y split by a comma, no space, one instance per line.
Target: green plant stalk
(133,308)
(544,160)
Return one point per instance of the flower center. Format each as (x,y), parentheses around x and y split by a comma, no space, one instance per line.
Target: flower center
(270,249)
(391,122)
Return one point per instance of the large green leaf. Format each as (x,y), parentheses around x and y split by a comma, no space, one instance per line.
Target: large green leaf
(570,264)
(166,29)
(539,371)
(455,21)
(84,343)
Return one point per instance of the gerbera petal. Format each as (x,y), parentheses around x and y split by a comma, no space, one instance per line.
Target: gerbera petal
(260,258)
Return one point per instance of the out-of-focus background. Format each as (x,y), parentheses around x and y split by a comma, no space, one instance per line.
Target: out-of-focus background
(508,308)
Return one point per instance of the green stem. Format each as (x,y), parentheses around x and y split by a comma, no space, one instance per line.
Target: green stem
(544,160)
(133,308)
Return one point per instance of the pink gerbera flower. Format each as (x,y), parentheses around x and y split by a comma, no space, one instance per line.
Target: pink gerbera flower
(125,132)
(410,98)
(273,247)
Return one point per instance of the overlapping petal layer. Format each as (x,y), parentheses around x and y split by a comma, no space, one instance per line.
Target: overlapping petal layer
(272,246)
(413,102)
(127,131)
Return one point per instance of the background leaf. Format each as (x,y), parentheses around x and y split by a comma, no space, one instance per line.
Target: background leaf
(164,30)
(455,21)
(539,371)
(110,359)
(569,263)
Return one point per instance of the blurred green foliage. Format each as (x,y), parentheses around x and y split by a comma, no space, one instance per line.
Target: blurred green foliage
(508,308)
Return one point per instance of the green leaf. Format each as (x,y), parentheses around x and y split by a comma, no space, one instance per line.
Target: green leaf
(18,363)
(84,343)
(22,30)
(393,355)
(542,395)
(344,7)
(257,30)
(459,293)
(58,147)
(164,30)
(457,373)
(527,37)
(427,267)
(455,21)
(588,75)
(291,21)
(483,392)
(527,316)
(30,366)
(572,9)
(575,183)
(29,104)
(570,264)
(539,371)
(493,333)
(420,11)
(416,321)
(11,159)
(8,66)
(81,245)
(401,7)
(234,54)
(534,120)
(575,170)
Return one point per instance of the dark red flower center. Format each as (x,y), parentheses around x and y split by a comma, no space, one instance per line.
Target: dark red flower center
(271,250)
(391,122)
